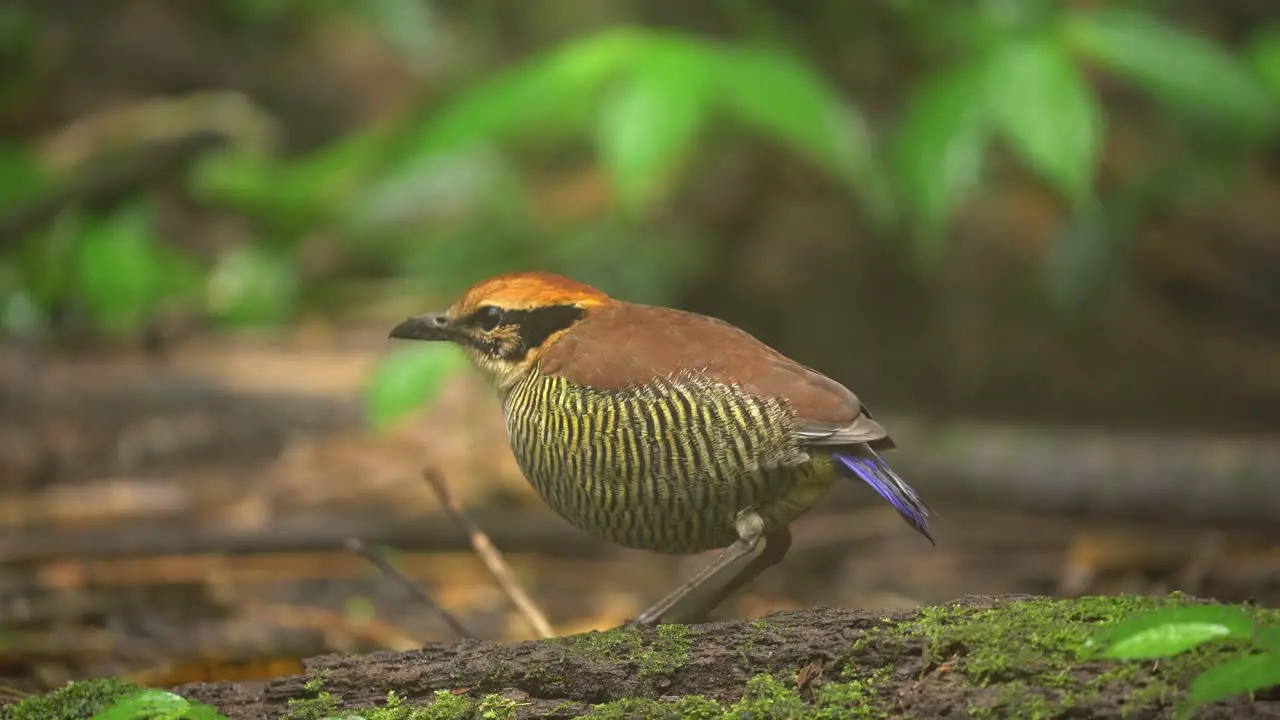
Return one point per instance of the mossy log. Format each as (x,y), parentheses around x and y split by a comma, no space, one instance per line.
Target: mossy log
(985,657)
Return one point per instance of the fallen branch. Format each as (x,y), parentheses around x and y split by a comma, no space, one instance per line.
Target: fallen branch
(970,656)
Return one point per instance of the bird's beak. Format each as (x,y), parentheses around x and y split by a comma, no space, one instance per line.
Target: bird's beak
(431,326)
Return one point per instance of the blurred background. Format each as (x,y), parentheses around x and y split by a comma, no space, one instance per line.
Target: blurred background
(1040,239)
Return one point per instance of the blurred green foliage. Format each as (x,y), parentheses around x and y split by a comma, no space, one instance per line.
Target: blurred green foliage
(406,378)
(432,199)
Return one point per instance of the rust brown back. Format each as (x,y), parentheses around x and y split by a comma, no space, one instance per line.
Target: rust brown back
(620,345)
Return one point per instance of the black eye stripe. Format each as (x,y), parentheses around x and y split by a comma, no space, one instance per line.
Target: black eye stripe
(541,323)
(531,327)
(487,318)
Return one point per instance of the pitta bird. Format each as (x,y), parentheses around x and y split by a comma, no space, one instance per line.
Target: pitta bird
(661,429)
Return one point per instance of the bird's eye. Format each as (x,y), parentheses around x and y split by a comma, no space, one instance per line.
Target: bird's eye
(489,317)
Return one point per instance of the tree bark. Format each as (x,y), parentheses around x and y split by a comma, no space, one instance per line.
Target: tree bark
(1010,656)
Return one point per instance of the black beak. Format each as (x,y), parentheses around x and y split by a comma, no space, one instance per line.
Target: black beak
(432,326)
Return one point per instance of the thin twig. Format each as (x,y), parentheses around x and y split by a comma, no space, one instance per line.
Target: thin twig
(385,566)
(493,560)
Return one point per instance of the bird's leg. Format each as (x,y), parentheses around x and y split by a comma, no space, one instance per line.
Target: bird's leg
(750,527)
(776,545)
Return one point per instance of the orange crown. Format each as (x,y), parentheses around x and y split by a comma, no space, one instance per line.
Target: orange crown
(530,289)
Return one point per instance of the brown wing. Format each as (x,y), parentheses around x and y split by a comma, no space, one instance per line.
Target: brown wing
(624,344)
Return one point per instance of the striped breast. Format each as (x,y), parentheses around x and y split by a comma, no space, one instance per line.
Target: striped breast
(664,467)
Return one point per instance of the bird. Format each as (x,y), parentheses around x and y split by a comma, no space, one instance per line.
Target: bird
(662,429)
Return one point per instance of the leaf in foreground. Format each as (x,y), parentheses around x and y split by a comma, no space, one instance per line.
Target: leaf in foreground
(406,379)
(157,705)
(1268,638)
(1171,631)
(1242,675)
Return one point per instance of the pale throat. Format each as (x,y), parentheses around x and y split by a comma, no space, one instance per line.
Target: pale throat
(501,374)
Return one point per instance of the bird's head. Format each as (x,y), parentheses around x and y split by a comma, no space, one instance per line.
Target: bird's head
(504,323)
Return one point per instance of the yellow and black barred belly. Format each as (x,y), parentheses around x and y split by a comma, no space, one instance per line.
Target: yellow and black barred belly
(665,467)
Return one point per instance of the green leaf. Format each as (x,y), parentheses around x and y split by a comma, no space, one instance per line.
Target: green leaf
(1042,106)
(119,268)
(555,85)
(1171,631)
(650,122)
(122,272)
(235,177)
(1268,638)
(1181,68)
(785,99)
(46,261)
(157,705)
(289,195)
(408,378)
(1242,675)
(21,177)
(553,92)
(939,148)
(1264,55)
(326,178)
(252,285)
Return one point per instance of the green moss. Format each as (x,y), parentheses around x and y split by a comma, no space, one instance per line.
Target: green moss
(668,654)
(496,676)
(1028,652)
(852,697)
(1031,648)
(605,644)
(444,705)
(1044,636)
(766,697)
(321,703)
(496,707)
(74,701)
(693,707)
(757,630)
(664,656)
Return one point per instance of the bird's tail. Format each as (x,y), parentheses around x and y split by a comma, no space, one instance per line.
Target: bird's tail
(865,464)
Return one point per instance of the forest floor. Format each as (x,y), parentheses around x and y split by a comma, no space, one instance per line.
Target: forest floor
(184,519)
